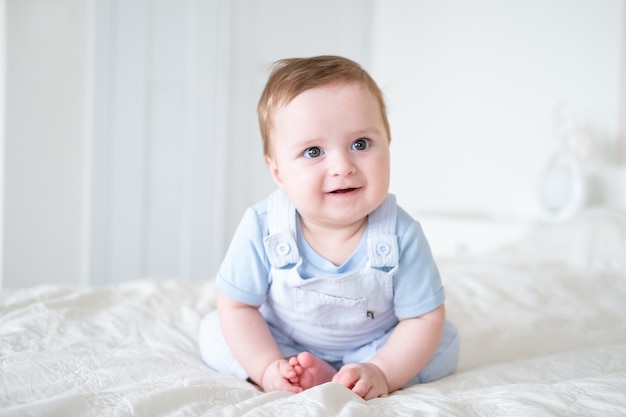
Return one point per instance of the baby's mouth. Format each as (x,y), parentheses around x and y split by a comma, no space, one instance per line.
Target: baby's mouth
(343,191)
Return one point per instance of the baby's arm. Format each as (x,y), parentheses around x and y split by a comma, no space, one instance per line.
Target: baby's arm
(251,342)
(411,345)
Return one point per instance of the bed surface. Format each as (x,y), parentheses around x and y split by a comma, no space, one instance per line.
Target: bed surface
(542,324)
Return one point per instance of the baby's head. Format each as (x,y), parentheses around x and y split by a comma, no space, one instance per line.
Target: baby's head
(291,77)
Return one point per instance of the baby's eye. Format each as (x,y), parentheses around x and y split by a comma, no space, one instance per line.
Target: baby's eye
(313,152)
(361,144)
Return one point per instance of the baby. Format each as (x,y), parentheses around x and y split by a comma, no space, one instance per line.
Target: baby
(328,279)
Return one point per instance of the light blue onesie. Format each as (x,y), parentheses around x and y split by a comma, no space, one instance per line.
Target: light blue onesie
(341,314)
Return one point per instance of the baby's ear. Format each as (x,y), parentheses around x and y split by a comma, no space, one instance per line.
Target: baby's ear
(273,168)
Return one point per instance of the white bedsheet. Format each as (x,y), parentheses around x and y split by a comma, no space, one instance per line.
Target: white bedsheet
(542,322)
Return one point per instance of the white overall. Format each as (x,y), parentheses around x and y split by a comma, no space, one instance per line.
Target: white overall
(337,313)
(341,319)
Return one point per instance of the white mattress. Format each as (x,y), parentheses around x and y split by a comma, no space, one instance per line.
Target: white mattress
(542,322)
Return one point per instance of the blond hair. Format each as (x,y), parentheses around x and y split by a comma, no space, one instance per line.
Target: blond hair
(291,77)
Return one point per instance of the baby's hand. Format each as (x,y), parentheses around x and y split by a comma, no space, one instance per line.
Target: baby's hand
(280,376)
(364,379)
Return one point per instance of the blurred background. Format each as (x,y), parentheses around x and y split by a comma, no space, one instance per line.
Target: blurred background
(129,143)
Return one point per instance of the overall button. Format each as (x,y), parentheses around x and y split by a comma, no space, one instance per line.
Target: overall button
(283,248)
(383,248)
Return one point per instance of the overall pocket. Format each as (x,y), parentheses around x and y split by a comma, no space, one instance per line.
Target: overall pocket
(330,311)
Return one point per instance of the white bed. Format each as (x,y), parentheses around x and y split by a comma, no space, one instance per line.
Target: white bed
(542,321)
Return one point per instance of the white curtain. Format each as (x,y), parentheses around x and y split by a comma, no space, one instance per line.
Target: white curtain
(174,154)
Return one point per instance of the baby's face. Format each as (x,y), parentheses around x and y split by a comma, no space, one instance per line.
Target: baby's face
(330,153)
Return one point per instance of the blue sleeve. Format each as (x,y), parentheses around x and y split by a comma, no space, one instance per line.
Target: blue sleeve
(244,272)
(417,284)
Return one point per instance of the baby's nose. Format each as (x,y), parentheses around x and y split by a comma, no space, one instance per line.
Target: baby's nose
(342,165)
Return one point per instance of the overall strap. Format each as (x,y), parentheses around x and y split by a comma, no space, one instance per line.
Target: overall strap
(382,242)
(280,244)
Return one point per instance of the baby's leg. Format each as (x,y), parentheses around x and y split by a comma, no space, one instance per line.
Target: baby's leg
(311,370)
(215,351)
(445,359)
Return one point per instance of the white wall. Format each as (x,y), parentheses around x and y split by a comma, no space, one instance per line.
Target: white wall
(43,158)
(473,88)
(622,122)
(2,127)
(131,140)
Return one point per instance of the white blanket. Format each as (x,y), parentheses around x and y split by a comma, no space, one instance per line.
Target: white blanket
(542,323)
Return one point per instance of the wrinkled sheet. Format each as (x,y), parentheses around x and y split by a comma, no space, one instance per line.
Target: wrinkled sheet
(542,322)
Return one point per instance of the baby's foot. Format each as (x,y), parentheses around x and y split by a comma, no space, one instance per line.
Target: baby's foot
(311,370)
